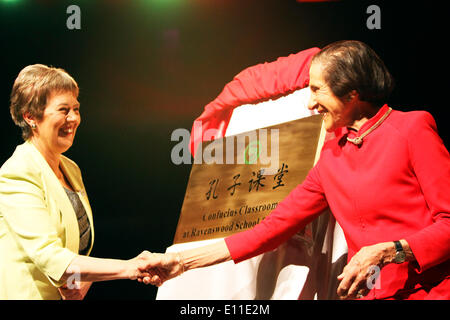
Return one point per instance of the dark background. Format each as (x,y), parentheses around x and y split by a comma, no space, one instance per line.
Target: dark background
(147,67)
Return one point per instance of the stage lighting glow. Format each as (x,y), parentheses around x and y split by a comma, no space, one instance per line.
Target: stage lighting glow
(163,3)
(165,9)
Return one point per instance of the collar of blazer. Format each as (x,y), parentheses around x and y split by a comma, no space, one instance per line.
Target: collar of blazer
(56,191)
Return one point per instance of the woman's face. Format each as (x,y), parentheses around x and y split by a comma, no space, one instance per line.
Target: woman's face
(337,112)
(56,130)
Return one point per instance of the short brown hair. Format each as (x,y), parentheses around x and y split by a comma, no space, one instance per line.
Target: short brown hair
(353,65)
(31,89)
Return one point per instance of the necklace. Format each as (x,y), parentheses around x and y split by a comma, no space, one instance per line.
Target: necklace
(358,140)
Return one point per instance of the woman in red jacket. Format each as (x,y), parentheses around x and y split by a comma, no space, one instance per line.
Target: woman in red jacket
(385,177)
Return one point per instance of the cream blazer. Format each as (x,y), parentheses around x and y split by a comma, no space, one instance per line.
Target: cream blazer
(39,233)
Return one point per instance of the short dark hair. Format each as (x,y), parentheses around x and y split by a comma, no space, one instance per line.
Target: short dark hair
(353,65)
(31,90)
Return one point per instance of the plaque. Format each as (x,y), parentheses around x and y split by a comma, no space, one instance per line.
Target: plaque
(236,181)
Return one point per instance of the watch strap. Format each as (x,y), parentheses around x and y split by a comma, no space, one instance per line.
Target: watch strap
(400,255)
(398,246)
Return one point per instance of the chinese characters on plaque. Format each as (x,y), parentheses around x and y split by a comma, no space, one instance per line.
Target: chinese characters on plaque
(225,197)
(254,183)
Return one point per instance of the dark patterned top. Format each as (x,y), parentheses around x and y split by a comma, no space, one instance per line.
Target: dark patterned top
(83,221)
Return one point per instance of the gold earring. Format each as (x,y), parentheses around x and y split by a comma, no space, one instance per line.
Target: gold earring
(33,126)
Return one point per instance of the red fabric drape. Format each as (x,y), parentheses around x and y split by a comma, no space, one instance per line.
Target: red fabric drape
(255,84)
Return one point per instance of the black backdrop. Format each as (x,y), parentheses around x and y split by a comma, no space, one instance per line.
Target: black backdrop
(147,67)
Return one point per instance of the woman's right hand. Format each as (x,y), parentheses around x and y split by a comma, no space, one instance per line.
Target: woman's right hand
(139,267)
(157,268)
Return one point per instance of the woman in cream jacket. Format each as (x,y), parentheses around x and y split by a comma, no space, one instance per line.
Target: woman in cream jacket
(46,225)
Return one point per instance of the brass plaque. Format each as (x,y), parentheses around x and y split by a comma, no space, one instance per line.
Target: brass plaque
(236,181)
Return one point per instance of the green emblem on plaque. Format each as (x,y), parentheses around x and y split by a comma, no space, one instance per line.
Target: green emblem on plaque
(251,153)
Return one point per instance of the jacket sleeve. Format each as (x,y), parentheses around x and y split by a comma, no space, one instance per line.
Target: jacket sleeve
(255,84)
(301,206)
(431,162)
(25,212)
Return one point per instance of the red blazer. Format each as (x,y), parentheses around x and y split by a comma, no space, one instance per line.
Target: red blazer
(395,185)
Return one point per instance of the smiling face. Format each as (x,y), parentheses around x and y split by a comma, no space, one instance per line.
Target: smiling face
(337,112)
(56,130)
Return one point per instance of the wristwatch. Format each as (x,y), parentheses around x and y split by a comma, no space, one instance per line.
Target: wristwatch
(400,255)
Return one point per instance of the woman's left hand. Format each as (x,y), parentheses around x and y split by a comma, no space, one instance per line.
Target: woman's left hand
(360,274)
(76,293)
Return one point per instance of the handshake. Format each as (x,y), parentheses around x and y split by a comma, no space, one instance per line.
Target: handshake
(156,268)
(147,268)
